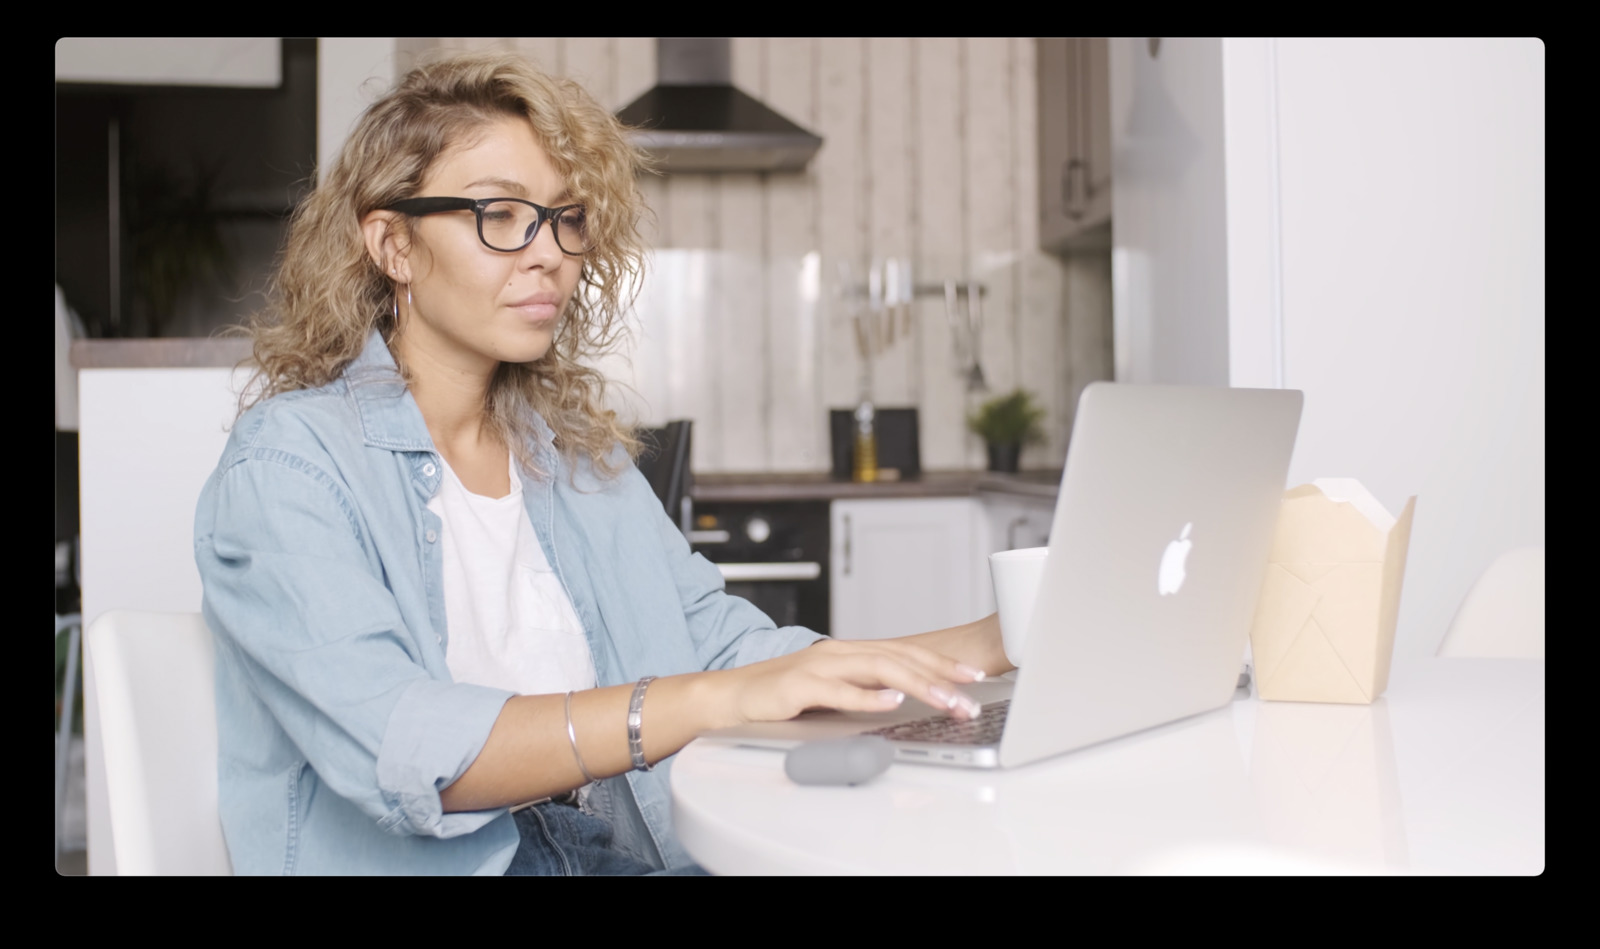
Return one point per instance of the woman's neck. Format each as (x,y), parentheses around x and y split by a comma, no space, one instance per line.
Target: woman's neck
(451,398)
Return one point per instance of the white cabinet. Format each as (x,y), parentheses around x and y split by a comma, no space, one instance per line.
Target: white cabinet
(904,565)
(1009,522)
(1074,140)
(907,565)
(1015,522)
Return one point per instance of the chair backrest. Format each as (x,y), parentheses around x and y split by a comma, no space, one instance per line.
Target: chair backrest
(664,462)
(1502,615)
(155,681)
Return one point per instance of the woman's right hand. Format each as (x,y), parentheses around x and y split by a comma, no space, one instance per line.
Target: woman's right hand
(856,675)
(529,752)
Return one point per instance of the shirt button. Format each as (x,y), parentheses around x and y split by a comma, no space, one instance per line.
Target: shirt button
(432,535)
(428,470)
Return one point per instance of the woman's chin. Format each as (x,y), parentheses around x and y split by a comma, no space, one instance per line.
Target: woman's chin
(527,351)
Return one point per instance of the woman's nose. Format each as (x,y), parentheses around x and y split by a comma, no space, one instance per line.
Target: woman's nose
(543,251)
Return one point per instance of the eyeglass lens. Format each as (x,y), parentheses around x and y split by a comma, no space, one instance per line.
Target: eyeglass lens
(509,226)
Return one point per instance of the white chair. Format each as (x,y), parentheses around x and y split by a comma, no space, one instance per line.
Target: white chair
(155,680)
(1502,616)
(72,625)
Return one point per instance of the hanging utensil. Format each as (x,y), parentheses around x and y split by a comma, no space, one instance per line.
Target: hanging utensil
(891,297)
(975,380)
(958,336)
(966,331)
(907,296)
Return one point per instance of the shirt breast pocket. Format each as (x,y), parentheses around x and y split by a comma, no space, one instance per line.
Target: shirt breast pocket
(541,602)
(545,617)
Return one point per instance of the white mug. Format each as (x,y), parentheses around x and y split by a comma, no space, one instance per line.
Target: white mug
(1016,576)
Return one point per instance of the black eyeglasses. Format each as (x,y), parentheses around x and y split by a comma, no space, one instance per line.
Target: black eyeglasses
(510,224)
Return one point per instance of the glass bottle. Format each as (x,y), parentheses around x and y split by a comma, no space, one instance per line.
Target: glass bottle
(866,453)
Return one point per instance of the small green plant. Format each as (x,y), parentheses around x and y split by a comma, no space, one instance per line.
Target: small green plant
(1012,419)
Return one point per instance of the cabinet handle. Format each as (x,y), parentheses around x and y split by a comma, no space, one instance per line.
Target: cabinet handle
(847,545)
(1011,532)
(1081,167)
(770,572)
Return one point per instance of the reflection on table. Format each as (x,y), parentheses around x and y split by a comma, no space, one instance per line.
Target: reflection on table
(1444,774)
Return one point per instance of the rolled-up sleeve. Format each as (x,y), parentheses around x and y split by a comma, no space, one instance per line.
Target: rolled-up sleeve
(296,596)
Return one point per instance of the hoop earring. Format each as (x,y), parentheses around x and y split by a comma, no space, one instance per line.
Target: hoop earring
(394,325)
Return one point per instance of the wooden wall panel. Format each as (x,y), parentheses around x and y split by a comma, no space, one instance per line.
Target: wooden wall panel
(796,413)
(590,60)
(635,68)
(939,102)
(889,170)
(991,233)
(688,306)
(1041,368)
(545,51)
(841,196)
(740,340)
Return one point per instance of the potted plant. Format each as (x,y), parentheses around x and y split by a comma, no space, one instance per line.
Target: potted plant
(176,239)
(1006,423)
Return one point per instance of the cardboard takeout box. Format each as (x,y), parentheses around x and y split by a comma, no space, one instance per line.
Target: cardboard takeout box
(1324,627)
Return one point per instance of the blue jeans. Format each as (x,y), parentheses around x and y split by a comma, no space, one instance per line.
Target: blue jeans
(561,840)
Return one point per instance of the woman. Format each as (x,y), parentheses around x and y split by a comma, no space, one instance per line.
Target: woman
(439,588)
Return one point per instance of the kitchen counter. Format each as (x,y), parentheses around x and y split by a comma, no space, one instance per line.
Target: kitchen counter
(820,486)
(173,353)
(230,352)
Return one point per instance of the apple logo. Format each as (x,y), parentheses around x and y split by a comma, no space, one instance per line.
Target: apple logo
(1172,570)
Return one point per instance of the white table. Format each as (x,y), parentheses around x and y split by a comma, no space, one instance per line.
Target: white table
(1443,774)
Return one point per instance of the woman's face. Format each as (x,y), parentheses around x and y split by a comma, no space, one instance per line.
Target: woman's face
(472,307)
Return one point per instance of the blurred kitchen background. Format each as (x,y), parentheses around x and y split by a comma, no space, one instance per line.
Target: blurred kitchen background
(929,171)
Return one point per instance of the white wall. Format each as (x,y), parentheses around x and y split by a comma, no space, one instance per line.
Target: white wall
(1384,228)
(241,62)
(1169,229)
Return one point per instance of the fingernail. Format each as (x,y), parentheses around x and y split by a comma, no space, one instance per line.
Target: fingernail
(970,706)
(975,675)
(948,698)
(891,696)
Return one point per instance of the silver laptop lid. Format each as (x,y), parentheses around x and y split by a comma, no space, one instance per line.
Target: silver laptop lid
(1160,541)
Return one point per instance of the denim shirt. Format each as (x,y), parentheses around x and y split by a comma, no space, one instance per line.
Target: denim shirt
(338,720)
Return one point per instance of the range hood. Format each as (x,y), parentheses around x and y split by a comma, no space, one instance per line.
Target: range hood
(695,120)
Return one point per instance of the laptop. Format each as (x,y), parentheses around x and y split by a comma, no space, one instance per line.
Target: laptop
(1162,529)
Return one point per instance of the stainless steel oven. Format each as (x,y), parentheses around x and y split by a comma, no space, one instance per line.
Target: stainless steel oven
(774,554)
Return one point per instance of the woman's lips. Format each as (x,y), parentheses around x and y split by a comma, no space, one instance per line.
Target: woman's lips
(541,307)
(537,312)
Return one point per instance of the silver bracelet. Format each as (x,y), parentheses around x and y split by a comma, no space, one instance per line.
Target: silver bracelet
(635,720)
(572,736)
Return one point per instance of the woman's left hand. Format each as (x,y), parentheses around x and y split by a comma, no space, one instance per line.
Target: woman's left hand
(976,644)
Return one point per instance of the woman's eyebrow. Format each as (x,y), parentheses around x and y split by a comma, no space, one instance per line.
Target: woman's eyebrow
(515,189)
(507,186)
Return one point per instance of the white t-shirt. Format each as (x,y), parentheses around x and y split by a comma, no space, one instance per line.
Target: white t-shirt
(511,624)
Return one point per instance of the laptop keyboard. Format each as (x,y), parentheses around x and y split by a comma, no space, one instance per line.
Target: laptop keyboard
(942,729)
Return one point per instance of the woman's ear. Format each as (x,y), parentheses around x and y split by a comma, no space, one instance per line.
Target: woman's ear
(380,232)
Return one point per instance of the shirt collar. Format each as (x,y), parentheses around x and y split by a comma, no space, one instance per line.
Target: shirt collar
(389,414)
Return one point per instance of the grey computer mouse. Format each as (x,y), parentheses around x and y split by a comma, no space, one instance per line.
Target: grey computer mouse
(851,760)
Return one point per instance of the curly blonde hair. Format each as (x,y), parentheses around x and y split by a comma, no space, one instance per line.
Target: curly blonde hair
(328,294)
